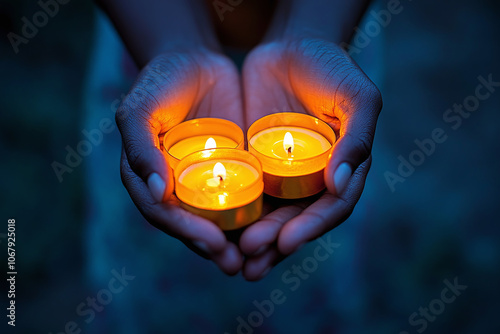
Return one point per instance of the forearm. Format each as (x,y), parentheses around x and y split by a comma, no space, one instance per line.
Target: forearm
(333,20)
(151,27)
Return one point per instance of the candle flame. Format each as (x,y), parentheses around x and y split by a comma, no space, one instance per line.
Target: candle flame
(219,171)
(210,144)
(288,143)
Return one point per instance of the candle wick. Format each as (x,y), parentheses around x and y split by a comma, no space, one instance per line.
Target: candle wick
(221,180)
(289,150)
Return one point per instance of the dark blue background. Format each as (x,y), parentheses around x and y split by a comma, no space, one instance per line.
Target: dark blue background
(394,253)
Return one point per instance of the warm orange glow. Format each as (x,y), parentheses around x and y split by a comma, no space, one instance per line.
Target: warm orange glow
(293,149)
(225,187)
(221,180)
(288,142)
(191,136)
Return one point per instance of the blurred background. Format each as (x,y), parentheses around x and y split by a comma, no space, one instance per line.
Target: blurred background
(419,254)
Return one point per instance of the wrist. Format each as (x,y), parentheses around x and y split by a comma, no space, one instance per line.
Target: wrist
(333,21)
(150,28)
(173,46)
(194,44)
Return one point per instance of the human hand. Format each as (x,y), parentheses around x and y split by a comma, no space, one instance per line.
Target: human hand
(171,88)
(313,76)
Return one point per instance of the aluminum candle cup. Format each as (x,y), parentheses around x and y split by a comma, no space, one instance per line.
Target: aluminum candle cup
(199,134)
(222,185)
(293,149)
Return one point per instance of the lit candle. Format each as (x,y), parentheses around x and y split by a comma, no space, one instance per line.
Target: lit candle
(222,185)
(199,134)
(293,149)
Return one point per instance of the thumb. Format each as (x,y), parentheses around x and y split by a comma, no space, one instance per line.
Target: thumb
(160,98)
(142,151)
(354,147)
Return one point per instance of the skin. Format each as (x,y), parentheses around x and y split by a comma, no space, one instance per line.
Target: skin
(175,87)
(316,77)
(298,66)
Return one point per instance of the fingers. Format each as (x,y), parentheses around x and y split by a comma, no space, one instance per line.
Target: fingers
(357,131)
(199,234)
(335,89)
(328,84)
(224,94)
(230,260)
(257,267)
(265,84)
(160,98)
(170,218)
(324,214)
(140,141)
(347,155)
(259,236)
(168,89)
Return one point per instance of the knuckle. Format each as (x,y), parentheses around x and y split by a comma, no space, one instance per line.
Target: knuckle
(121,114)
(362,144)
(143,98)
(135,157)
(362,93)
(133,104)
(374,97)
(124,173)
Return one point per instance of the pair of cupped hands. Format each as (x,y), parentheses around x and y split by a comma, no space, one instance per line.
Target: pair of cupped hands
(306,75)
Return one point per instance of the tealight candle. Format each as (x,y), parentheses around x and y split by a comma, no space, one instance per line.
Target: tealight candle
(222,185)
(293,149)
(199,134)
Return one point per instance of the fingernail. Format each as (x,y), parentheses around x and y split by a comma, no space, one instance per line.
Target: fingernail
(341,176)
(157,186)
(260,250)
(265,272)
(202,246)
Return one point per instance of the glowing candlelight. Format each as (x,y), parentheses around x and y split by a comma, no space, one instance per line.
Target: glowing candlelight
(293,149)
(200,134)
(222,185)
(288,143)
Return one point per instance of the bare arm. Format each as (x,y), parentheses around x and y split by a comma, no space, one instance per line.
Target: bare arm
(186,76)
(152,27)
(333,20)
(300,67)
